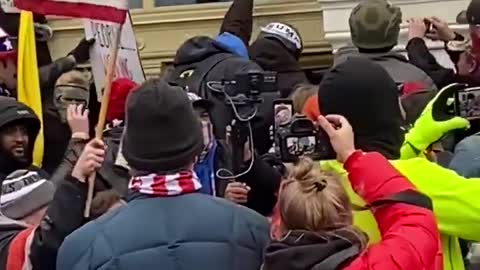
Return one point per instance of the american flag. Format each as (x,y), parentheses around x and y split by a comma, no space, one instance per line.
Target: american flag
(104,10)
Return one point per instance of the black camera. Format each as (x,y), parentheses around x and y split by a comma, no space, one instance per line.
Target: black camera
(252,83)
(301,138)
(244,95)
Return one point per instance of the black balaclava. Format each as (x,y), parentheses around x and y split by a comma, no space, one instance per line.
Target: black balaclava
(364,93)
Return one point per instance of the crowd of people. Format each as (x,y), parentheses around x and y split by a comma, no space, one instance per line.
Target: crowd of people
(189,173)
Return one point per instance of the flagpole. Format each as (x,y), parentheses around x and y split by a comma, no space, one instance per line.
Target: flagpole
(103,111)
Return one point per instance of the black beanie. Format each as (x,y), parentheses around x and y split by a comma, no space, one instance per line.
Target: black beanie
(162,133)
(364,93)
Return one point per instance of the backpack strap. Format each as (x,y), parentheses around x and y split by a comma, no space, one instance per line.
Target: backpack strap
(411,197)
(338,259)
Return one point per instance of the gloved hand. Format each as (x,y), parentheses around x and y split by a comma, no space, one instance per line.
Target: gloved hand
(433,123)
(43,32)
(82,51)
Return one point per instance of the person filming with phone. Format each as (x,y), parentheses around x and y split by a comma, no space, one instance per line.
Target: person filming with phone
(464,51)
(316,218)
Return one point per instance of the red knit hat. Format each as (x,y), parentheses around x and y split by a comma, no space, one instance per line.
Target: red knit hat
(118,97)
(311,108)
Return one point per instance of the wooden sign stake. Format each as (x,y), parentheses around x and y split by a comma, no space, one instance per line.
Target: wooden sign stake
(103,112)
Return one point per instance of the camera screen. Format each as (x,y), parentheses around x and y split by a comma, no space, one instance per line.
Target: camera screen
(283,114)
(469,104)
(300,146)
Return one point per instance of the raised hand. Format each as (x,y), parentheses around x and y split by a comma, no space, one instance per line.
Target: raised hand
(90,160)
(77,119)
(341,135)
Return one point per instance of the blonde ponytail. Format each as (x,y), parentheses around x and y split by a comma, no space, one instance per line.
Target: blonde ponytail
(316,201)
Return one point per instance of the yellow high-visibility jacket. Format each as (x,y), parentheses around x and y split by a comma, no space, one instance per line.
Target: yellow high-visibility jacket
(456,203)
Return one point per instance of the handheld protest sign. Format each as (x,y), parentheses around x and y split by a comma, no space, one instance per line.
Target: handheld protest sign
(127,64)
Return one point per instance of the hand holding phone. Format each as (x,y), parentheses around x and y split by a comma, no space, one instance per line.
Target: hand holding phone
(340,133)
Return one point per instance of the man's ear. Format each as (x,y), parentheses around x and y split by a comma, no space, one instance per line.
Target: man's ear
(473,65)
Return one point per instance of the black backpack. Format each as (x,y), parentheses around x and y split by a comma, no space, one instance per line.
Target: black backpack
(193,76)
(215,68)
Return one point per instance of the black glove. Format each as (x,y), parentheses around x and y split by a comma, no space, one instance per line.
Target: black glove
(82,51)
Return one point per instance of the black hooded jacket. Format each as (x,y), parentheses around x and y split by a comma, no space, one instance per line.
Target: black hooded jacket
(12,112)
(271,55)
(364,93)
(63,216)
(201,60)
(303,250)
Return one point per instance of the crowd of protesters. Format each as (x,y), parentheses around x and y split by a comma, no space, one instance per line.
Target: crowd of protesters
(174,189)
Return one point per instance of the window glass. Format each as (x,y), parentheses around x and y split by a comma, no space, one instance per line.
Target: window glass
(135,3)
(159,3)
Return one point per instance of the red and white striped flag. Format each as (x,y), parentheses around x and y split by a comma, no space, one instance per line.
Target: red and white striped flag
(104,10)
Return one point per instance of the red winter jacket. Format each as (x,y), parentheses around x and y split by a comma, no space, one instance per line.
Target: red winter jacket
(410,235)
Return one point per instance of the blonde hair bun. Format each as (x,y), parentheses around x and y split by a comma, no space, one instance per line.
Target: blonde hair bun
(315,200)
(308,177)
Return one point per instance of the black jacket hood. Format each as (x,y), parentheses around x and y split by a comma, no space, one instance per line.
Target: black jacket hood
(271,55)
(367,96)
(302,250)
(195,50)
(12,111)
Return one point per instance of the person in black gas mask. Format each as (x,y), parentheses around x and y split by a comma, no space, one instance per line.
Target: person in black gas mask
(19,127)
(278,48)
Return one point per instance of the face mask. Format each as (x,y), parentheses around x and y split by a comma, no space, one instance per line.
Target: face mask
(69,94)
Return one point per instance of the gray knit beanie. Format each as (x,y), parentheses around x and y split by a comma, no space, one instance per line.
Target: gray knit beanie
(162,133)
(24,192)
(375,24)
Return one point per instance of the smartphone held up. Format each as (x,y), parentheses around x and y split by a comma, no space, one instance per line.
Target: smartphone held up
(467,103)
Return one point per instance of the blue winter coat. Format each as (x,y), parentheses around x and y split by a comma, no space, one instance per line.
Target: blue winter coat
(193,231)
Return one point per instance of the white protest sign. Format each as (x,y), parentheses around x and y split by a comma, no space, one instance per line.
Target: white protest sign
(9,6)
(128,63)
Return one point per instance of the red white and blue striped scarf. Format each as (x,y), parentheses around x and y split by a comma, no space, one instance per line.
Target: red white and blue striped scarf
(183,182)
